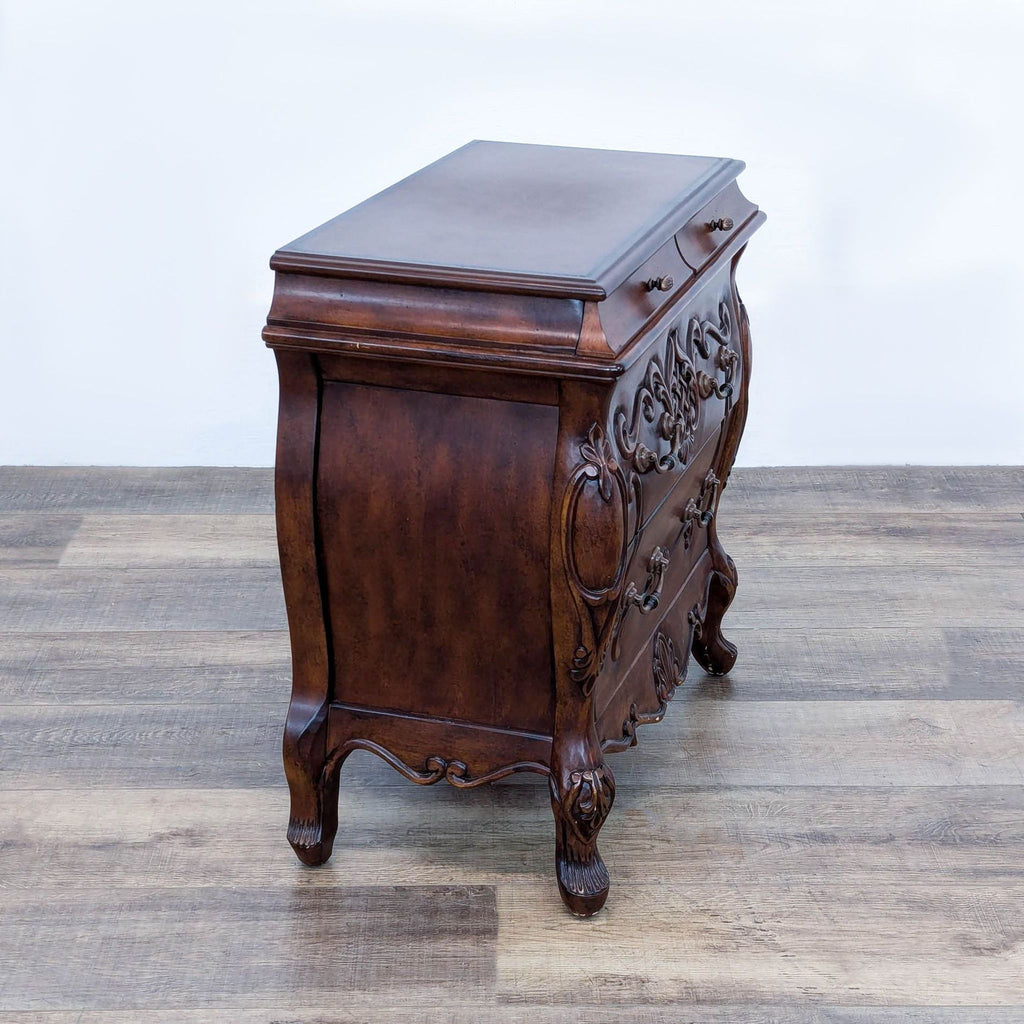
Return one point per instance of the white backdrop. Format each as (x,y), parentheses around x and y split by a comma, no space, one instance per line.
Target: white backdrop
(155,154)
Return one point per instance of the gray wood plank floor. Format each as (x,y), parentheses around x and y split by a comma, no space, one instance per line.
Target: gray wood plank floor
(832,835)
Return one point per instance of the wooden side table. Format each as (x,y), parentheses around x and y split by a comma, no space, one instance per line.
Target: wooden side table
(512,389)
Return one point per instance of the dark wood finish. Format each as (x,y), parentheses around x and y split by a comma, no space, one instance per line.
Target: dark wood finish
(484,579)
(505,217)
(512,389)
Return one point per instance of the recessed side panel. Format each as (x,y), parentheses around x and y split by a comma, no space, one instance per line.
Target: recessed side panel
(433,515)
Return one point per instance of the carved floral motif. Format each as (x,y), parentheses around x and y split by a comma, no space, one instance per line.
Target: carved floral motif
(588,800)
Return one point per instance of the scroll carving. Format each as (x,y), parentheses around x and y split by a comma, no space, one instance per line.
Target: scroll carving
(436,768)
(602,606)
(668,671)
(695,619)
(598,602)
(670,398)
(668,674)
(671,393)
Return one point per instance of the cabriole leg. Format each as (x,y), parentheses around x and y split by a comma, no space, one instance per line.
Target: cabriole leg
(582,792)
(312,781)
(313,786)
(712,651)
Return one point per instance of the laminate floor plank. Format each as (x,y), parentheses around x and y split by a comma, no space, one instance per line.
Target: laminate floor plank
(882,663)
(490,1012)
(838,540)
(180,540)
(705,942)
(35,539)
(250,598)
(803,539)
(99,489)
(859,597)
(149,667)
(65,600)
(245,946)
(206,489)
(701,742)
(831,743)
(890,663)
(869,489)
(396,835)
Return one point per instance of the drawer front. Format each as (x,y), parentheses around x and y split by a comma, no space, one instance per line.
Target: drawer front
(643,295)
(666,552)
(644,684)
(676,397)
(660,445)
(712,229)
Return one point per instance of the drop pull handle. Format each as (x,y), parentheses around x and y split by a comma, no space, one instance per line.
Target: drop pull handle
(649,598)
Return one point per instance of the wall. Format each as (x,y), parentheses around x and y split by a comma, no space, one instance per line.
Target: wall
(156,154)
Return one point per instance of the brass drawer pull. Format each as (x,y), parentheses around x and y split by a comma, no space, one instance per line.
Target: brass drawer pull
(647,599)
(707,386)
(659,284)
(722,224)
(700,511)
(702,517)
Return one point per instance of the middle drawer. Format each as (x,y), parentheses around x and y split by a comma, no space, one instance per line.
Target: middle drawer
(673,399)
(668,547)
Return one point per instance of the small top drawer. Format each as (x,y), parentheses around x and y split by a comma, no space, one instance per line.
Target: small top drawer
(714,226)
(648,290)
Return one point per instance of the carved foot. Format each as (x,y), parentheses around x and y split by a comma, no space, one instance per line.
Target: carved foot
(314,814)
(581,800)
(711,650)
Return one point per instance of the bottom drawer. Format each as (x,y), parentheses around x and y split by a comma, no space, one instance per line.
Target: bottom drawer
(641,694)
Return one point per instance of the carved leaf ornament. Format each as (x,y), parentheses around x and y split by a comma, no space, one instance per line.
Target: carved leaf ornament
(671,393)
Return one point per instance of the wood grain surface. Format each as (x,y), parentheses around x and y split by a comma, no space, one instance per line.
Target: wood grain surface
(832,835)
(249,598)
(456,1012)
(845,538)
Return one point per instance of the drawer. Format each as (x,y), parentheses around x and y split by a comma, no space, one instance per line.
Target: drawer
(675,397)
(668,548)
(713,227)
(638,695)
(644,294)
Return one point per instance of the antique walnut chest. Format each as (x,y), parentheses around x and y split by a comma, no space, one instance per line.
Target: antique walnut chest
(512,389)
